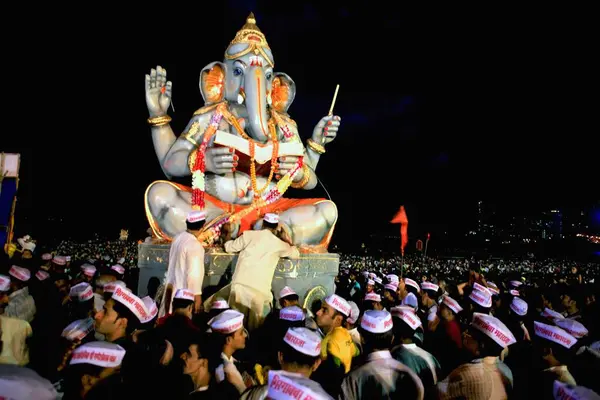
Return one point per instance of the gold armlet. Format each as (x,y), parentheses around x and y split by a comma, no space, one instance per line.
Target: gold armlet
(191,140)
(159,121)
(305,178)
(191,133)
(316,147)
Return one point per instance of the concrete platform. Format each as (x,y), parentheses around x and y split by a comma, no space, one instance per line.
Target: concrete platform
(311,276)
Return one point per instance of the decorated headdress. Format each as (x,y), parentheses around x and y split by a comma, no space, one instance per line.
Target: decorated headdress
(250,35)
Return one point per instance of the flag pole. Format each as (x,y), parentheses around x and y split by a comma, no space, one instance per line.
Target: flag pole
(402,266)
(401,218)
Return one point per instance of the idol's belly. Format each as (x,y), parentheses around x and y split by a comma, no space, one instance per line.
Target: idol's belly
(235,187)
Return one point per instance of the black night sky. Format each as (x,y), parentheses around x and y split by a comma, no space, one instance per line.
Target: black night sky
(439,107)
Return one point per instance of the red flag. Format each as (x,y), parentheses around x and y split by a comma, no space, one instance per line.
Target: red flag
(402,219)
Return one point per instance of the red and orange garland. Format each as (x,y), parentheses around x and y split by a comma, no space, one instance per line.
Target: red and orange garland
(257,191)
(272,196)
(198,169)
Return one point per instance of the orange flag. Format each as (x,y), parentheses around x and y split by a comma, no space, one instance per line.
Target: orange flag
(402,219)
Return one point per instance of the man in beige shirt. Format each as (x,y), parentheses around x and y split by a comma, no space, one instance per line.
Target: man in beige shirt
(259,252)
(13,332)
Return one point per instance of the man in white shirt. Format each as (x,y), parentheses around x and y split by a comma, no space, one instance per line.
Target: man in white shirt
(186,264)
(259,253)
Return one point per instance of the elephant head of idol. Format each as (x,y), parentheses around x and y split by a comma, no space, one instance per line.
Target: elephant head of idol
(246,77)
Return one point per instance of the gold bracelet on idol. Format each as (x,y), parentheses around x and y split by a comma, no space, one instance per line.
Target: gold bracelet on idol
(305,178)
(314,146)
(159,121)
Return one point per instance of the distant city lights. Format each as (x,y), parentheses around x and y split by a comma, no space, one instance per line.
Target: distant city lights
(591,238)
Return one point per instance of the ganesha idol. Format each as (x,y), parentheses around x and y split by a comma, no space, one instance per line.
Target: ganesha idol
(242,150)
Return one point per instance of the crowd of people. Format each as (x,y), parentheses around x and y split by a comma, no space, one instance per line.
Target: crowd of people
(72,326)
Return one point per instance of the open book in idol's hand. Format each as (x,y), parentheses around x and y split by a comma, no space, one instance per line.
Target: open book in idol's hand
(262,152)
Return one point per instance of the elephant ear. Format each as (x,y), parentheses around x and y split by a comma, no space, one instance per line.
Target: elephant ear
(212,82)
(283,92)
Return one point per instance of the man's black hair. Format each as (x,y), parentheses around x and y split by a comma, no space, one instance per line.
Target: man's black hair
(181,303)
(269,225)
(344,316)
(133,322)
(487,346)
(293,356)
(195,226)
(289,297)
(402,330)
(376,341)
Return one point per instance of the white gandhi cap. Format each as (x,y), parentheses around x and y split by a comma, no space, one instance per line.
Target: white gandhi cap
(354,313)
(271,218)
(77,330)
(452,304)
(196,216)
(83,291)
(151,307)
(287,386)
(338,304)
(4,283)
(575,328)
(219,304)
(407,315)
(132,302)
(293,313)
(493,328)
(102,354)
(20,273)
(518,306)
(484,299)
(227,322)
(304,341)
(184,294)
(373,297)
(286,291)
(376,321)
(554,334)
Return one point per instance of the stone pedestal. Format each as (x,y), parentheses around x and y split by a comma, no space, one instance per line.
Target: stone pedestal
(311,276)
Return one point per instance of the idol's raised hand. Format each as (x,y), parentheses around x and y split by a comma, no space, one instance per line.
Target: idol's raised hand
(158,92)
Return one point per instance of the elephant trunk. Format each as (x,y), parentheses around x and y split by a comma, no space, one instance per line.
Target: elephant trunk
(255,86)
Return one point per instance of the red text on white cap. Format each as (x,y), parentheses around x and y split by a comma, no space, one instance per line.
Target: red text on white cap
(282,387)
(452,304)
(20,273)
(303,340)
(554,334)
(482,298)
(373,297)
(184,294)
(286,291)
(132,302)
(493,328)
(339,304)
(102,354)
(227,322)
(408,315)
(376,321)
(293,313)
